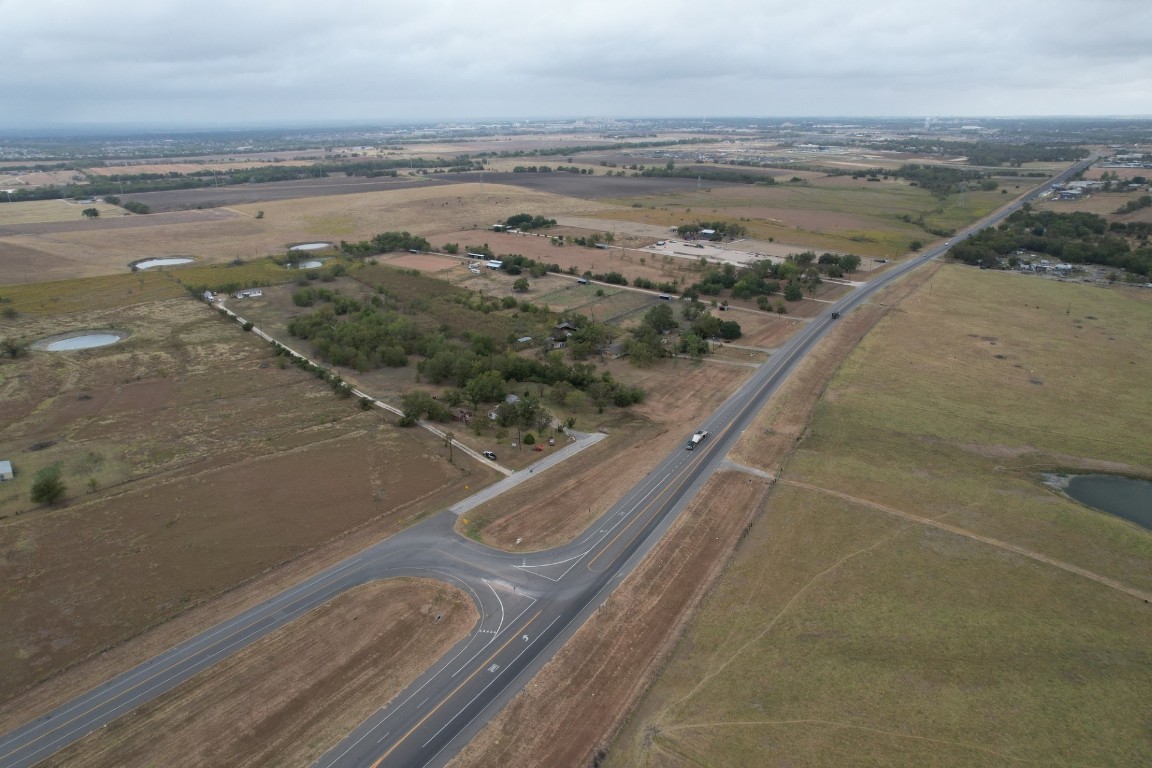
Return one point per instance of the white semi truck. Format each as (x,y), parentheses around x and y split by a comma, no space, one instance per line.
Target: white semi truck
(697,438)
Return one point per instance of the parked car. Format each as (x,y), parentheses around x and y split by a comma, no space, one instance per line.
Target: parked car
(490,455)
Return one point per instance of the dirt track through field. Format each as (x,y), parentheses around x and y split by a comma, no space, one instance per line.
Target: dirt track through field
(1113,584)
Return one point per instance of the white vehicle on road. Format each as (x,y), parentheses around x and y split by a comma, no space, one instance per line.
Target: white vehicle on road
(697,438)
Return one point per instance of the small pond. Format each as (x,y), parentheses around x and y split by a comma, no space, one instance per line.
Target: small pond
(80,340)
(1120,496)
(311,264)
(168,262)
(310,246)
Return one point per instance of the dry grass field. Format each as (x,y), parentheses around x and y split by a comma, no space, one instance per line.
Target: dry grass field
(40,179)
(913,594)
(834,213)
(40,211)
(428,211)
(193,462)
(1100,203)
(110,292)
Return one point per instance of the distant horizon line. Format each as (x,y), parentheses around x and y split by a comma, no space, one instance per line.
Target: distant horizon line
(154,126)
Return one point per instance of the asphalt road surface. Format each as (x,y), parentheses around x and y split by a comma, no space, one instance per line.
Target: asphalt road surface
(529,605)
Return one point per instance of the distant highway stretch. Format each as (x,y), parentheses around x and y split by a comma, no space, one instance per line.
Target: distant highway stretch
(529,605)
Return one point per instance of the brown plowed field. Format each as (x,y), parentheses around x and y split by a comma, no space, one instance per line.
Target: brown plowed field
(294,694)
(193,463)
(422,262)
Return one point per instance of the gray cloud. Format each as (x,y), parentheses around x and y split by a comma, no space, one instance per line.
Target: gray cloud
(217,61)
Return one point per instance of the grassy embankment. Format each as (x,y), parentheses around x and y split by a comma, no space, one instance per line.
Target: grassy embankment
(914,595)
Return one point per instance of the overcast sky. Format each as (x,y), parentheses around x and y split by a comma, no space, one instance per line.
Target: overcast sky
(176,62)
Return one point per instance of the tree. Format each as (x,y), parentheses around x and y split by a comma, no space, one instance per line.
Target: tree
(91,213)
(850,262)
(48,489)
(793,292)
(521,285)
(661,318)
(728,330)
(488,387)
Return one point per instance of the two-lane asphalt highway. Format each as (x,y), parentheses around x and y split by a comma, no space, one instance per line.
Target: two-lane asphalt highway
(529,605)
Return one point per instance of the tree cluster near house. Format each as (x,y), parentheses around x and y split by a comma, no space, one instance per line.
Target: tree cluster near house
(648,341)
(1076,238)
(713,230)
(797,274)
(476,366)
(385,242)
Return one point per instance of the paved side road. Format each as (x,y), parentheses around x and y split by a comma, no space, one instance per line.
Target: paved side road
(581,442)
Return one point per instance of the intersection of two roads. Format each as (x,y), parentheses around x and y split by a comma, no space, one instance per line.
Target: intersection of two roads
(529,605)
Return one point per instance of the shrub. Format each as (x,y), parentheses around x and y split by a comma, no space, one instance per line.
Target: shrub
(48,488)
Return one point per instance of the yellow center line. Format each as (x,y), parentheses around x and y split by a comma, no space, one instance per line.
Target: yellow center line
(456,690)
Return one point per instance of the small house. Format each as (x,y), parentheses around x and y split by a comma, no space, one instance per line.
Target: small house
(495,264)
(565,328)
(6,471)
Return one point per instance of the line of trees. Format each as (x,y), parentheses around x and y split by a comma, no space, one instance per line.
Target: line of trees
(526,221)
